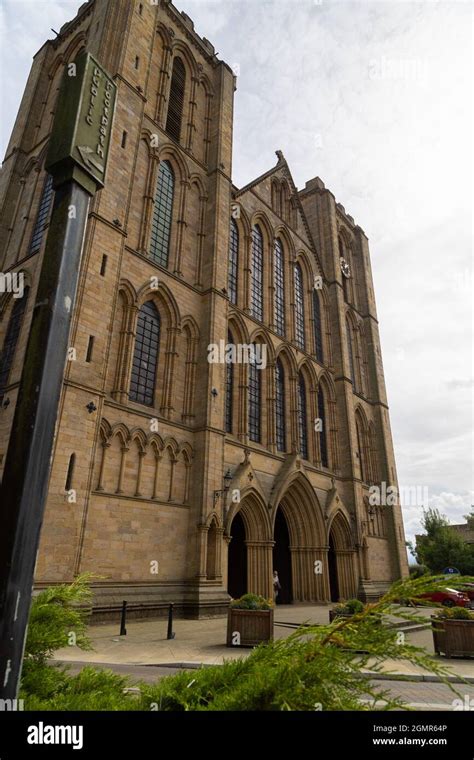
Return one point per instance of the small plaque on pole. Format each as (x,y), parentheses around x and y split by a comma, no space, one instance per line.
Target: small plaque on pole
(79,143)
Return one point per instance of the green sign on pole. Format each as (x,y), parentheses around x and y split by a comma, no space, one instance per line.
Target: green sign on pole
(79,143)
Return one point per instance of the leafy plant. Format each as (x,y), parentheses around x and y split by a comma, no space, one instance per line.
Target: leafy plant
(59,616)
(350,607)
(316,667)
(455,613)
(251,602)
(416,571)
(470,518)
(92,689)
(441,546)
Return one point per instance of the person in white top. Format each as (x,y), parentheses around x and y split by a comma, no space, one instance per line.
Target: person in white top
(276,585)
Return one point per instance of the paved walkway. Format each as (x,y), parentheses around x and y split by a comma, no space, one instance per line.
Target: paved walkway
(429,696)
(202,642)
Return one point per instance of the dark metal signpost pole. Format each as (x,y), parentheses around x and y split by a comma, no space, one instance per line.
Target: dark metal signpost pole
(25,480)
(77,160)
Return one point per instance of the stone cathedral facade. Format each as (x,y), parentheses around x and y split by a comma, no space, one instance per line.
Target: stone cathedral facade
(223,411)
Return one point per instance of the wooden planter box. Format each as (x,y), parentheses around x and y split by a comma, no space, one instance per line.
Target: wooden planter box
(453,638)
(253,626)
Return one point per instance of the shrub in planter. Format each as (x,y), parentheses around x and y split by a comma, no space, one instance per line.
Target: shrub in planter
(251,602)
(453,632)
(456,613)
(346,609)
(249,621)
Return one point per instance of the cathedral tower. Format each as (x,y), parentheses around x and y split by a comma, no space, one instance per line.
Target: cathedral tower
(224,412)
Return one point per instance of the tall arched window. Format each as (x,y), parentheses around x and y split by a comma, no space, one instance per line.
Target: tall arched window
(175,108)
(350,348)
(162,214)
(302,422)
(362,361)
(374,472)
(145,357)
(255,396)
(299,307)
(345,280)
(278,269)
(232,279)
(323,435)
(11,339)
(257,273)
(285,201)
(318,331)
(361,451)
(42,216)
(345,286)
(280,406)
(70,472)
(229,389)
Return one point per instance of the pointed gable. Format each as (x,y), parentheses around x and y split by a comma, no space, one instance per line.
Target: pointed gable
(277,192)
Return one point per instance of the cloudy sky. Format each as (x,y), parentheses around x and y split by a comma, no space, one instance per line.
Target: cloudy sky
(376,99)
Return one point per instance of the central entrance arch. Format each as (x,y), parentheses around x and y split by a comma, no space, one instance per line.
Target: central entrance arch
(332,563)
(237,570)
(299,523)
(282,559)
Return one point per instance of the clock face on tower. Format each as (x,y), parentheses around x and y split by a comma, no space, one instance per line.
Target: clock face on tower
(345,268)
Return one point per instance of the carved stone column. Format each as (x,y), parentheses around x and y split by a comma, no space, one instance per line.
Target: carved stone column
(219,543)
(191,117)
(122,468)
(100,484)
(207,129)
(310,585)
(181,225)
(125,354)
(260,568)
(141,454)
(203,530)
(225,560)
(190,380)
(188,466)
(170,356)
(163,85)
(155,481)
(200,240)
(345,573)
(148,207)
(173,465)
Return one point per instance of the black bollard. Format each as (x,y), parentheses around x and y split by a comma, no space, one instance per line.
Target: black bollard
(170,635)
(123,630)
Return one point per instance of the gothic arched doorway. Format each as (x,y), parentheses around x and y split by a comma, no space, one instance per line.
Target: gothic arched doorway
(299,522)
(211,563)
(332,564)
(282,559)
(237,567)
